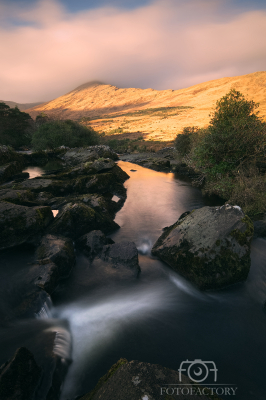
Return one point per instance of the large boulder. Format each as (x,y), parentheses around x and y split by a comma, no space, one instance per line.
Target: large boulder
(85,154)
(21,224)
(76,219)
(210,246)
(136,380)
(19,377)
(124,253)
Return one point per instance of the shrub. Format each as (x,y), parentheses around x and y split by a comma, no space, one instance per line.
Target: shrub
(184,141)
(15,126)
(236,135)
(68,133)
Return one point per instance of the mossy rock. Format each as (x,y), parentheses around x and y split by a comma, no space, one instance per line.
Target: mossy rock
(209,246)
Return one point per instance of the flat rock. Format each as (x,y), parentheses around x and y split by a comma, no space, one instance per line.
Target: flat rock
(136,380)
(82,155)
(21,224)
(210,246)
(124,253)
(76,219)
(19,377)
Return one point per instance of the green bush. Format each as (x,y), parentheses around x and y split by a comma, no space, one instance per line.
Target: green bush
(236,135)
(184,141)
(53,134)
(15,126)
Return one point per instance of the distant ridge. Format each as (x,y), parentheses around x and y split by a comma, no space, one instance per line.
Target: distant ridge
(22,106)
(157,114)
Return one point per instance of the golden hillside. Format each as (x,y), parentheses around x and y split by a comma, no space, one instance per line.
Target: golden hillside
(157,114)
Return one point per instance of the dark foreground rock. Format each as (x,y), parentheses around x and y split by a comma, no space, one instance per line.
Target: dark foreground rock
(8,170)
(143,381)
(55,259)
(76,219)
(22,197)
(21,224)
(92,243)
(19,378)
(210,246)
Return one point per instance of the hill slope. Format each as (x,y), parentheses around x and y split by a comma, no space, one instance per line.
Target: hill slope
(157,114)
(22,107)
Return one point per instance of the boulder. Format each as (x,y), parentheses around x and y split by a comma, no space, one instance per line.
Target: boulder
(136,380)
(7,155)
(92,243)
(23,197)
(123,254)
(85,154)
(76,219)
(210,246)
(8,170)
(21,224)
(38,185)
(55,258)
(19,377)
(157,164)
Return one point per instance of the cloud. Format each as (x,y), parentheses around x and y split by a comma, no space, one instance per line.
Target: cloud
(47,51)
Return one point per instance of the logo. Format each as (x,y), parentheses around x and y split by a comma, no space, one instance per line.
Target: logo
(197,370)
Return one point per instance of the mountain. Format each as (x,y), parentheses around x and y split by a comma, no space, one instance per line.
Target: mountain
(22,107)
(157,114)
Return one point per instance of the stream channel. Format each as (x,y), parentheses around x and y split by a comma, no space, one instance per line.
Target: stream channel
(158,318)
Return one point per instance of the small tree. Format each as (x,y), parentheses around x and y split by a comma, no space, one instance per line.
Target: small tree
(68,133)
(236,135)
(15,126)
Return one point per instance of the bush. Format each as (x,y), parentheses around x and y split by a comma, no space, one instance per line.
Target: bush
(184,141)
(15,126)
(68,133)
(236,135)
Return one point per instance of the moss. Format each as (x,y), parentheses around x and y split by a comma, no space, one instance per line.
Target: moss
(244,237)
(105,378)
(218,242)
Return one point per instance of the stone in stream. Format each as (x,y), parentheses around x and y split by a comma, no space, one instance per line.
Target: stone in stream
(76,219)
(93,242)
(19,377)
(136,380)
(55,259)
(209,246)
(21,224)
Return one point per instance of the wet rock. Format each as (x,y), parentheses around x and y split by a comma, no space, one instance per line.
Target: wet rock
(8,170)
(55,259)
(157,164)
(122,254)
(92,243)
(210,246)
(136,380)
(259,229)
(33,302)
(82,155)
(37,185)
(21,176)
(22,197)
(21,224)
(76,219)
(20,377)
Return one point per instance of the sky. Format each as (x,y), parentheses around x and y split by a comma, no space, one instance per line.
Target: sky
(49,47)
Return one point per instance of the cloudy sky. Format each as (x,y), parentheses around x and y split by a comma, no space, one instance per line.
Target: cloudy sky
(48,47)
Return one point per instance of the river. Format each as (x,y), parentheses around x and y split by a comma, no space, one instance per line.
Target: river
(158,318)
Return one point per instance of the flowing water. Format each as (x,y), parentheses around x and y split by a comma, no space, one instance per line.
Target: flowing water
(158,318)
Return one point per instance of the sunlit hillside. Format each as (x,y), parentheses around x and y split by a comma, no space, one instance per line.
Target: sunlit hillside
(157,114)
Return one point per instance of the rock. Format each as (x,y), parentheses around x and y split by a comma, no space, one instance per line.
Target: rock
(33,302)
(157,164)
(136,380)
(92,243)
(7,155)
(8,170)
(210,246)
(121,254)
(76,219)
(20,377)
(82,155)
(21,176)
(259,229)
(37,185)
(55,259)
(21,224)
(22,197)
(167,152)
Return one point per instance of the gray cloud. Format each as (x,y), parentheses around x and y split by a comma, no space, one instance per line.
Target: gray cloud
(166,44)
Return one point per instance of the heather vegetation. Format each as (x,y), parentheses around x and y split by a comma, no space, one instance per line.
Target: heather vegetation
(230,153)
